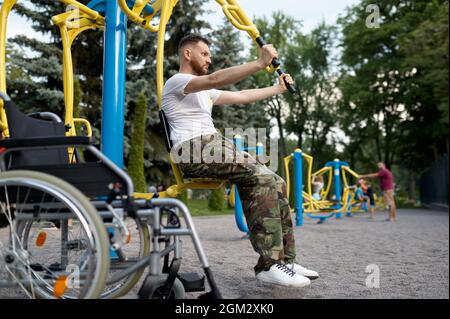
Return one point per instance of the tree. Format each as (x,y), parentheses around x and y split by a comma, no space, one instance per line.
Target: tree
(226,49)
(44,65)
(185,20)
(136,157)
(426,54)
(216,199)
(279,31)
(395,83)
(376,84)
(312,110)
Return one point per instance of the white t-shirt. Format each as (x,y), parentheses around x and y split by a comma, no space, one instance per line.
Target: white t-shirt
(189,115)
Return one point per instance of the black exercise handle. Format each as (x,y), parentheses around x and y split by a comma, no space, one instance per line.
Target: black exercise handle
(276,64)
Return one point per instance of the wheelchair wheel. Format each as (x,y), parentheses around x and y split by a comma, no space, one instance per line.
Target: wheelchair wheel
(136,247)
(56,236)
(157,283)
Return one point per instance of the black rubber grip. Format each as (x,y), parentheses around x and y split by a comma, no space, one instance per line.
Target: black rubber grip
(276,64)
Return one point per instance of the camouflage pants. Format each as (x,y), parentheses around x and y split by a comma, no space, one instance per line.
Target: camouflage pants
(262,192)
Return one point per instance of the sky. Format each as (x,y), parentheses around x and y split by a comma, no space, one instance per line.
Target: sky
(311,13)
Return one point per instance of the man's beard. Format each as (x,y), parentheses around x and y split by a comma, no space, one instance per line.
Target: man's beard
(198,69)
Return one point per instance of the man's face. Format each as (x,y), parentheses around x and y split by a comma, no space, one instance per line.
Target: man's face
(199,57)
(380,165)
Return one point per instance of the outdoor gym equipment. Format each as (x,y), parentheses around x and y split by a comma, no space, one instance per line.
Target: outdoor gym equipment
(143,17)
(305,202)
(113,204)
(81,200)
(119,277)
(238,211)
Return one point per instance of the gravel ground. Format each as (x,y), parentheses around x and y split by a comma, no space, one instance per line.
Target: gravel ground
(412,256)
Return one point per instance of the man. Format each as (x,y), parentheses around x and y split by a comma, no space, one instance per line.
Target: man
(188,98)
(387,187)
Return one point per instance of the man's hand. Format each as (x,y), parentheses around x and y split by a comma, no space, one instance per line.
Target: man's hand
(282,84)
(267,54)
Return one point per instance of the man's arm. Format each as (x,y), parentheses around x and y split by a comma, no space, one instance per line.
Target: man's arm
(250,96)
(374,175)
(232,75)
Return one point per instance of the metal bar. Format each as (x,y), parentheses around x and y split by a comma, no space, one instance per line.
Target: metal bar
(190,224)
(113,102)
(298,181)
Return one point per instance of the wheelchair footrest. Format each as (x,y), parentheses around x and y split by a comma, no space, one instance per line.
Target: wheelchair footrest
(192,281)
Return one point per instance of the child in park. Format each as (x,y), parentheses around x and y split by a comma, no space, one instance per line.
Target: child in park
(317,184)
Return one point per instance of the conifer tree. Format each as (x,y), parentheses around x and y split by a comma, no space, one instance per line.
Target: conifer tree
(136,157)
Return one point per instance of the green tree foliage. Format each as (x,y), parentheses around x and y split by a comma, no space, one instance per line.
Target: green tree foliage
(44,64)
(141,75)
(136,157)
(278,30)
(309,115)
(184,197)
(216,199)
(312,111)
(387,84)
(35,80)
(426,53)
(390,98)
(227,51)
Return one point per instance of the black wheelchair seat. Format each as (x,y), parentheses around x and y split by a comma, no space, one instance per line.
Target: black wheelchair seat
(41,145)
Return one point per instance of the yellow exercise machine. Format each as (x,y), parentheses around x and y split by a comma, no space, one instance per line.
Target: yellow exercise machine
(143,17)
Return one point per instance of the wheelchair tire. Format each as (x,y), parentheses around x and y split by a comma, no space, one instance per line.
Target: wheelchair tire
(33,195)
(119,289)
(157,283)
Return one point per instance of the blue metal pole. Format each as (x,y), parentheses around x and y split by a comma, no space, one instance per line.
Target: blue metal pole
(337,184)
(298,181)
(238,211)
(114,68)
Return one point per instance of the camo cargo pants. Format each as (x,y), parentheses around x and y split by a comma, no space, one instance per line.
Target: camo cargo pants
(262,192)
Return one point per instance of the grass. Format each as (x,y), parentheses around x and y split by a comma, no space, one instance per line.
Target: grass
(199,207)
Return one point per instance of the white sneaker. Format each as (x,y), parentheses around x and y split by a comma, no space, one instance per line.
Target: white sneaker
(279,274)
(310,274)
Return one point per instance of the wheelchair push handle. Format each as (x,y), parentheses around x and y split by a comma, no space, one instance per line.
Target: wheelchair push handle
(276,65)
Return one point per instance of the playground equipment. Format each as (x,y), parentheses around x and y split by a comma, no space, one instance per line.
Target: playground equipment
(56,192)
(322,209)
(46,280)
(36,194)
(238,211)
(241,21)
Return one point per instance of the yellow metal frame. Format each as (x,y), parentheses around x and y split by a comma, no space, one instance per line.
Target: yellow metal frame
(346,169)
(312,205)
(240,20)
(237,17)
(137,13)
(323,171)
(74,22)
(71,24)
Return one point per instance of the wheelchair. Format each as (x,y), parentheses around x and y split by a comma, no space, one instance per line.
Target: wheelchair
(71,227)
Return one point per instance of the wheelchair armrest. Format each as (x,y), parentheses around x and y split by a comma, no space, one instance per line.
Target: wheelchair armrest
(45,141)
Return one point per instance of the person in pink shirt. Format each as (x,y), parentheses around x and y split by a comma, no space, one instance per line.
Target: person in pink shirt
(387,187)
